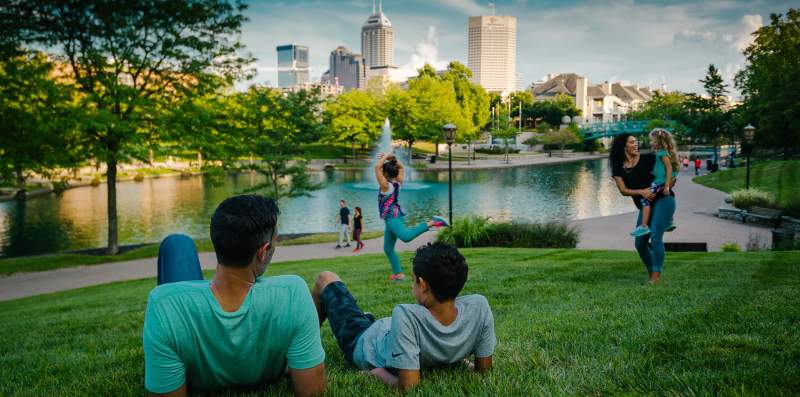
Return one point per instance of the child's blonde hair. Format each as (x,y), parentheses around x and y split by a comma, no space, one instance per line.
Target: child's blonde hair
(662,139)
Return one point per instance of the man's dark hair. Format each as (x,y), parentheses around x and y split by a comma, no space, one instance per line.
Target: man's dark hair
(443,267)
(390,168)
(616,156)
(240,225)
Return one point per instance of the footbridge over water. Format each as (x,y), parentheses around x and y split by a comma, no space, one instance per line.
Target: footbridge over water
(603,130)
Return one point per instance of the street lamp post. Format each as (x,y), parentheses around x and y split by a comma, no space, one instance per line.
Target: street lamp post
(450,137)
(749,131)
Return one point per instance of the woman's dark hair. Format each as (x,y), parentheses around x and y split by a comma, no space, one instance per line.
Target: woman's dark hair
(443,267)
(616,156)
(390,168)
(240,225)
(359,210)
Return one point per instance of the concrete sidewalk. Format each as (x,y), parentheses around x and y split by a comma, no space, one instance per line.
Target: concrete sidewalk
(696,206)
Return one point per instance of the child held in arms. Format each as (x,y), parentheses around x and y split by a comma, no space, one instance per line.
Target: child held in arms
(440,329)
(665,171)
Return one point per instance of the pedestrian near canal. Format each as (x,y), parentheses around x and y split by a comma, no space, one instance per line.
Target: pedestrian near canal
(344,224)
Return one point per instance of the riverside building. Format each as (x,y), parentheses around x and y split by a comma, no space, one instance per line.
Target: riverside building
(492,53)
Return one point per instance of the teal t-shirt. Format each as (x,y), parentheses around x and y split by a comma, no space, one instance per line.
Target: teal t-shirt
(188,337)
(659,171)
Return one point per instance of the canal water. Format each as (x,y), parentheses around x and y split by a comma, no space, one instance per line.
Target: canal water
(149,210)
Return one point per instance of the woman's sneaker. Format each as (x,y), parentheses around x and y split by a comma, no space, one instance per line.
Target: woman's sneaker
(439,221)
(640,231)
(671,227)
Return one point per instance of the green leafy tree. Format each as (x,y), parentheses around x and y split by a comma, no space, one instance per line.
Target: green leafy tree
(471,98)
(125,56)
(353,117)
(505,130)
(552,110)
(706,116)
(771,81)
(436,105)
(38,120)
(404,114)
(562,137)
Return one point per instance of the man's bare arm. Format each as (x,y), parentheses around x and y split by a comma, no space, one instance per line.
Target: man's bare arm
(408,379)
(308,382)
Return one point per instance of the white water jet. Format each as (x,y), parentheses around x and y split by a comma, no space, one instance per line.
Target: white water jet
(385,146)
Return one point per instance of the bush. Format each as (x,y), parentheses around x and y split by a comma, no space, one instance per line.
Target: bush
(138,177)
(95,181)
(730,247)
(496,150)
(474,231)
(746,198)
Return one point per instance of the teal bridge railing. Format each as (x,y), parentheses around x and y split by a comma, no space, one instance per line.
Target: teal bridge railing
(603,130)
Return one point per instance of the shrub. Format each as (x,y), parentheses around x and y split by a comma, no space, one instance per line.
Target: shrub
(138,178)
(95,181)
(746,198)
(730,247)
(480,232)
(496,150)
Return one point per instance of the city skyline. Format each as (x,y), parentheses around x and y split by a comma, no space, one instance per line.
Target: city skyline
(633,42)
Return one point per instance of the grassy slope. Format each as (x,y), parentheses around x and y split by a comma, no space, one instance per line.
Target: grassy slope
(568,322)
(781,178)
(40,263)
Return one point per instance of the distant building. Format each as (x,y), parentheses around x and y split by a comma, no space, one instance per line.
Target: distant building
(324,88)
(377,43)
(600,103)
(492,53)
(346,69)
(292,65)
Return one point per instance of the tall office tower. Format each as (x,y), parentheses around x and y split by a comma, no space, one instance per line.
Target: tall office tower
(346,69)
(377,42)
(492,53)
(292,65)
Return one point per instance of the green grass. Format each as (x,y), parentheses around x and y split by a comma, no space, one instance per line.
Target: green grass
(780,178)
(568,322)
(40,263)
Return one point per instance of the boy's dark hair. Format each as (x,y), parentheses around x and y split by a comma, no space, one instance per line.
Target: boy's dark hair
(240,225)
(443,267)
(390,168)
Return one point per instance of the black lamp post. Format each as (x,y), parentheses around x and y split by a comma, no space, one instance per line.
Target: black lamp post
(749,131)
(450,137)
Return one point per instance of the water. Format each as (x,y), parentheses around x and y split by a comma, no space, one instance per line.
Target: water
(149,210)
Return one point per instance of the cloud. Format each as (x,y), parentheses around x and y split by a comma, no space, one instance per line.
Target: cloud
(750,23)
(426,51)
(695,36)
(468,7)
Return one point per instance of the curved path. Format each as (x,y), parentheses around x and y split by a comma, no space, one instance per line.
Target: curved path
(694,217)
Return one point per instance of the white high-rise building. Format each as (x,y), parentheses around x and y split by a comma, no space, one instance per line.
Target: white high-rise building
(377,43)
(492,54)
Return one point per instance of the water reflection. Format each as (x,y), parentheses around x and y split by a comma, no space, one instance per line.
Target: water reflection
(150,210)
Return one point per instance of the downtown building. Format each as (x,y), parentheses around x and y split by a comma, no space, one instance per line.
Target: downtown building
(492,53)
(345,69)
(377,44)
(292,65)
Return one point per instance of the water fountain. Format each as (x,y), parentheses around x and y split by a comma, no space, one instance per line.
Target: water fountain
(385,146)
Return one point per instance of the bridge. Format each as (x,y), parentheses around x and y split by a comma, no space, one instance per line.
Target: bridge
(603,130)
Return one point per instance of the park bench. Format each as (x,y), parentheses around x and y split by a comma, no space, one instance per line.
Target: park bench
(766,214)
(686,247)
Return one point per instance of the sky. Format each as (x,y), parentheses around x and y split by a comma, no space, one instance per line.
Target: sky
(652,43)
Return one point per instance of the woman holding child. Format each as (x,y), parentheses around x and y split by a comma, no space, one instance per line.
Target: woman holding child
(634,175)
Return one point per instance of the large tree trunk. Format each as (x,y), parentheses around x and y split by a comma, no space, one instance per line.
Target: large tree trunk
(111,174)
(20,174)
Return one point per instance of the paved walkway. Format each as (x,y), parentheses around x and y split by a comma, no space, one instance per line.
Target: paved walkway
(694,217)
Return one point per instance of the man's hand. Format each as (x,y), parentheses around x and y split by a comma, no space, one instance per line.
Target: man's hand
(308,382)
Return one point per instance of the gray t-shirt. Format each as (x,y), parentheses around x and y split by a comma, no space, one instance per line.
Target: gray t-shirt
(412,338)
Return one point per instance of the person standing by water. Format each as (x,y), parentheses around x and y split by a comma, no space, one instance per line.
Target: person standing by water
(358,226)
(632,174)
(344,224)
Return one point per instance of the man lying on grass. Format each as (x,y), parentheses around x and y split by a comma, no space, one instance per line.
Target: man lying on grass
(441,329)
(239,329)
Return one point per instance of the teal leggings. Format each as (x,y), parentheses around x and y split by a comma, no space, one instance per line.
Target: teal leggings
(396,229)
(661,216)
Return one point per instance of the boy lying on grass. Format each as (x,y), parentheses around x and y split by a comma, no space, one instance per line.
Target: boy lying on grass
(441,329)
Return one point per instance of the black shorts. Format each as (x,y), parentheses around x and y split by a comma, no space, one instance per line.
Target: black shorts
(347,320)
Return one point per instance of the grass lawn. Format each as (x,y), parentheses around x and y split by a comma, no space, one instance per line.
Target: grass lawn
(568,322)
(781,178)
(40,263)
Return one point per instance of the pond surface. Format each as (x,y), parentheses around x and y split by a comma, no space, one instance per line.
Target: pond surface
(149,210)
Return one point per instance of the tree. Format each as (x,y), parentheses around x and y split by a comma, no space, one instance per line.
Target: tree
(125,56)
(436,105)
(562,137)
(354,118)
(505,130)
(38,118)
(472,100)
(665,110)
(404,114)
(771,81)
(707,116)
(552,110)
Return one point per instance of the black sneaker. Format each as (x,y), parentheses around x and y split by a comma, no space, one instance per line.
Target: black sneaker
(347,245)
(337,246)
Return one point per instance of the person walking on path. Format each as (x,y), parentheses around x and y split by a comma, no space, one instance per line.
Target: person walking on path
(632,174)
(686,163)
(358,226)
(239,329)
(390,173)
(344,224)
(697,164)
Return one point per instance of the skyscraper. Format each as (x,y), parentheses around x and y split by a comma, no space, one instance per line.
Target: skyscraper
(346,69)
(492,54)
(377,42)
(292,65)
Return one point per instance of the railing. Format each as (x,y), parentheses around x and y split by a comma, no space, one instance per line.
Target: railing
(601,130)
